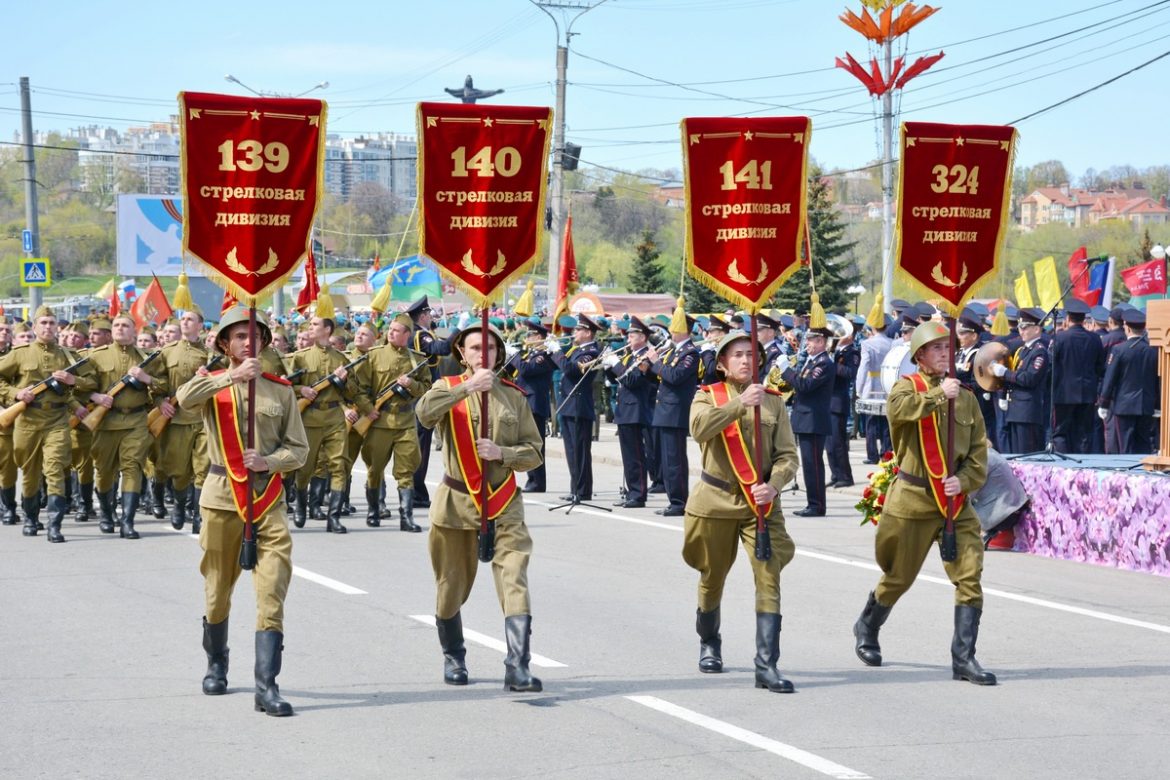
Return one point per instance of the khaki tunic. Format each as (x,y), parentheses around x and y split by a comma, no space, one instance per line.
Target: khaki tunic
(454,519)
(717,521)
(121,442)
(911,520)
(280,438)
(394,432)
(40,438)
(182,447)
(324,419)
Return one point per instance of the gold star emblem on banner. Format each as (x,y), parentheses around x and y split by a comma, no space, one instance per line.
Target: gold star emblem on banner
(255,114)
(910,142)
(959,141)
(487,121)
(747,135)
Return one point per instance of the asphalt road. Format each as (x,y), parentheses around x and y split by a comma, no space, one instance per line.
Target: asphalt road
(102,661)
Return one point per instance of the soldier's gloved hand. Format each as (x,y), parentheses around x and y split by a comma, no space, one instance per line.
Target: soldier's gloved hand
(999,369)
(783,362)
(1103,414)
(552,344)
(987,396)
(610,360)
(1002,403)
(708,346)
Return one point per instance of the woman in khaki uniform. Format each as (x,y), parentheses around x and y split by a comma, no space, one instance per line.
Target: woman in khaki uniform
(912,519)
(512,445)
(718,514)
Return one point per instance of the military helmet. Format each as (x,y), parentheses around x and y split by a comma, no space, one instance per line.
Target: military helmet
(500,356)
(925,334)
(236,316)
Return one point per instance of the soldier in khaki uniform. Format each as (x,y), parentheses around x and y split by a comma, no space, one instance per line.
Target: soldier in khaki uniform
(364,338)
(911,518)
(719,515)
(121,441)
(512,445)
(393,431)
(324,418)
(41,436)
(280,447)
(183,443)
(8,514)
(81,438)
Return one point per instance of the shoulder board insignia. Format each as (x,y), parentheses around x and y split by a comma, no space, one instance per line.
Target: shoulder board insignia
(274,378)
(514,386)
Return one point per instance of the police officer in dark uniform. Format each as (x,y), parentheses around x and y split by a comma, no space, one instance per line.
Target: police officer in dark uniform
(970,331)
(1025,384)
(1130,391)
(534,370)
(772,346)
(1113,335)
(813,386)
(422,340)
(1078,363)
(677,369)
(846,359)
(716,330)
(635,410)
(577,412)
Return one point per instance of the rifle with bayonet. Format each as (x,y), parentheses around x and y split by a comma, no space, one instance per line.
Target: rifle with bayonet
(330,380)
(392,391)
(9,415)
(156,421)
(99,412)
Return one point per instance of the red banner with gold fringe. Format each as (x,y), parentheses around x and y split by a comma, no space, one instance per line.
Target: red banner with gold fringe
(953,206)
(746,197)
(252,179)
(482,173)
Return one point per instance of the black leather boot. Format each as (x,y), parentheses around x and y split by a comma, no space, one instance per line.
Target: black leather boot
(268,651)
(32,508)
(865,630)
(318,489)
(129,509)
(106,505)
(70,493)
(57,507)
(179,510)
(193,495)
(347,508)
(406,511)
(333,521)
(963,663)
(373,516)
(8,500)
(290,491)
(302,509)
(215,637)
(43,498)
(517,630)
(158,499)
(710,642)
(169,493)
(454,652)
(768,653)
(85,502)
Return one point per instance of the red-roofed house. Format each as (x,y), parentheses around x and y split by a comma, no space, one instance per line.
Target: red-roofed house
(1141,210)
(1056,204)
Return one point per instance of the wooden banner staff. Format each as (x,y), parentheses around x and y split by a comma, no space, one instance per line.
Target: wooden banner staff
(948,544)
(487,528)
(248,548)
(763,539)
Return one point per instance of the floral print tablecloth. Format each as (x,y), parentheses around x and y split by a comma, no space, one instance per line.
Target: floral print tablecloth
(1110,518)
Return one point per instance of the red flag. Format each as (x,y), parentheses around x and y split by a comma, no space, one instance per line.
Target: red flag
(115,304)
(152,307)
(568,279)
(228,302)
(1079,273)
(311,289)
(1146,279)
(377,262)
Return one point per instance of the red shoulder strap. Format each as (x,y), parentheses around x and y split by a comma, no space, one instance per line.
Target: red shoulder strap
(278,379)
(513,385)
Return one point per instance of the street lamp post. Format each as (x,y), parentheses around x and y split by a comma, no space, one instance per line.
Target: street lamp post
(856,291)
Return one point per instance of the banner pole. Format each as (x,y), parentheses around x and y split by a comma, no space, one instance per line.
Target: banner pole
(248,548)
(763,540)
(487,531)
(948,545)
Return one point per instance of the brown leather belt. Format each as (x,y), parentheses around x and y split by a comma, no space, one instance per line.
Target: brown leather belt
(47,405)
(326,405)
(454,484)
(131,410)
(220,471)
(910,479)
(715,482)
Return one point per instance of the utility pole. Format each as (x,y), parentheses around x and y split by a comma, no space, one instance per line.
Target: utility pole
(888,185)
(556,199)
(30,189)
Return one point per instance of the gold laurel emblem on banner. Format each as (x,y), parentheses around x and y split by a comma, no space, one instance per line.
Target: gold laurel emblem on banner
(937,275)
(734,274)
(234,263)
(498,268)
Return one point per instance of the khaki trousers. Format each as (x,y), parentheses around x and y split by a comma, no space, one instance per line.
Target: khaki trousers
(123,451)
(710,546)
(381,444)
(41,451)
(220,538)
(901,546)
(182,455)
(326,457)
(454,560)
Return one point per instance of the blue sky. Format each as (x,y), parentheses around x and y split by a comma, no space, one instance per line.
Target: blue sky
(121,65)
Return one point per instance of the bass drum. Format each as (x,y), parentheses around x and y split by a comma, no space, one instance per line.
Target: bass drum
(896,365)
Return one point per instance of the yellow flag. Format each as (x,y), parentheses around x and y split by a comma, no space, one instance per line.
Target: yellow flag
(1047,285)
(1023,291)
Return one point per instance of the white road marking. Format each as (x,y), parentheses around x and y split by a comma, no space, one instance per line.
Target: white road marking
(494,644)
(794,754)
(596,513)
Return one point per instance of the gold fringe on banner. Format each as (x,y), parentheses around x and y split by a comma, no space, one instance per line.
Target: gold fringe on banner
(877,313)
(182,298)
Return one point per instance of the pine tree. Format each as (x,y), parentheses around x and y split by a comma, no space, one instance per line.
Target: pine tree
(827,236)
(647,274)
(703,300)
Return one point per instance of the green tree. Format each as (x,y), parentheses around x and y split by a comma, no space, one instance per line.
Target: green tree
(834,274)
(702,300)
(647,273)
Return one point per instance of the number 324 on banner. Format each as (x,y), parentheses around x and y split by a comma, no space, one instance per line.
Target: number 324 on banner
(252,178)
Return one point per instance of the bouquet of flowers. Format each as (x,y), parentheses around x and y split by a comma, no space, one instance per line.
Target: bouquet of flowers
(874,496)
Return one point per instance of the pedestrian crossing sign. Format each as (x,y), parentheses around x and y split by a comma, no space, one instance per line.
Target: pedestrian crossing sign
(34,272)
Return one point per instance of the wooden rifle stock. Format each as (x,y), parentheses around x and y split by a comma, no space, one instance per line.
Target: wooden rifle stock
(156,421)
(9,415)
(98,413)
(362,426)
(321,384)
